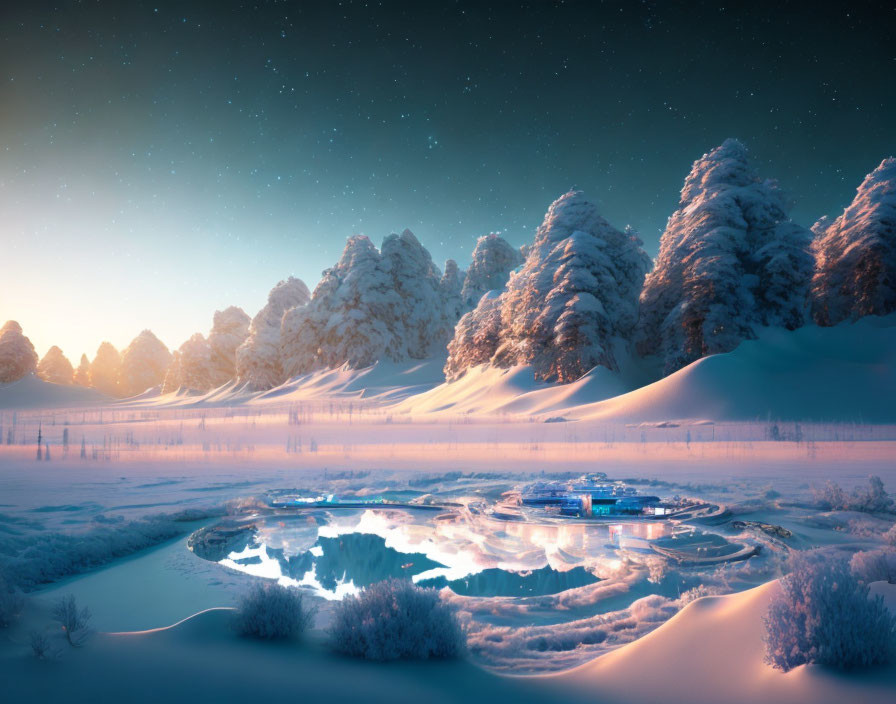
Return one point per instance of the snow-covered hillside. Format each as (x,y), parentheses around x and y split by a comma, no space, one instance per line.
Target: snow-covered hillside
(30,392)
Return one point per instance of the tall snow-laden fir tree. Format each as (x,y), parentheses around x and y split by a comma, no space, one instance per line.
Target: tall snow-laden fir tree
(493,260)
(730,261)
(195,364)
(82,373)
(105,369)
(143,364)
(17,355)
(258,358)
(230,328)
(423,327)
(55,367)
(855,254)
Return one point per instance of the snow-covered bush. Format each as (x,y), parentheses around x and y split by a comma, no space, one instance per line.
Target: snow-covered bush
(874,565)
(105,369)
(143,364)
(11,602)
(873,499)
(258,359)
(824,615)
(855,254)
(493,260)
(33,559)
(230,328)
(572,306)
(55,368)
(270,610)
(17,355)
(730,261)
(74,620)
(194,365)
(394,620)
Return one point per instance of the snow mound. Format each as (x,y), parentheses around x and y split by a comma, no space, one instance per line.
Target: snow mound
(713,651)
(812,373)
(30,392)
(809,374)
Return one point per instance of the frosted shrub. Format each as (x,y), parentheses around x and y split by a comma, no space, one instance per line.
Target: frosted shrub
(41,646)
(890,536)
(824,615)
(10,603)
(74,620)
(394,620)
(874,566)
(272,611)
(873,499)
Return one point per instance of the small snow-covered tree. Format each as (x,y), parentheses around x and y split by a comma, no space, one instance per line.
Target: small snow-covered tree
(195,364)
(55,368)
(451,286)
(17,355)
(730,261)
(230,328)
(74,620)
(890,536)
(873,499)
(823,614)
(855,254)
(172,380)
(258,358)
(105,369)
(476,337)
(82,373)
(272,611)
(143,364)
(493,260)
(394,620)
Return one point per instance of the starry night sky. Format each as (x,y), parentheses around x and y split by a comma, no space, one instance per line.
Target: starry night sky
(162,160)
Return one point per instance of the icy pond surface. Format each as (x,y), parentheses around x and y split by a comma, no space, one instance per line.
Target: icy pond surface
(335,553)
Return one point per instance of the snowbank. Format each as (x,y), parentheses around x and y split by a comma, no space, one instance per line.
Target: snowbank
(30,392)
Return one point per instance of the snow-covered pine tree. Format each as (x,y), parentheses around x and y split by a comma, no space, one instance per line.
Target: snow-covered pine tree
(493,260)
(451,286)
(855,254)
(55,367)
(476,337)
(230,328)
(423,327)
(258,358)
(82,373)
(351,317)
(143,364)
(574,301)
(17,355)
(105,369)
(730,261)
(172,381)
